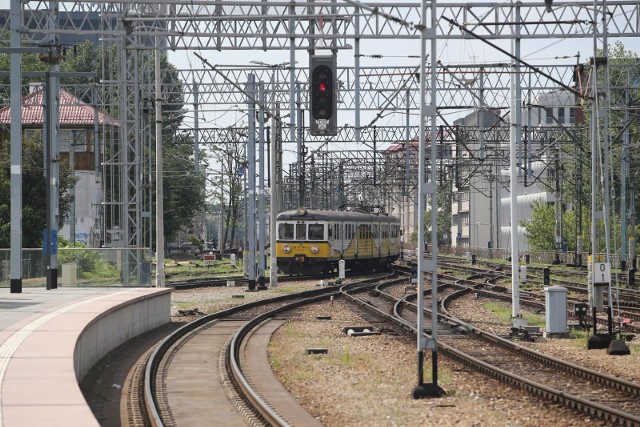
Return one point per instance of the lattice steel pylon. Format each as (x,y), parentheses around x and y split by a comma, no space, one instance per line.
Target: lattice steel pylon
(266,25)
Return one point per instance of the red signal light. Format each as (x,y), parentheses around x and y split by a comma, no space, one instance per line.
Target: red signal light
(322,87)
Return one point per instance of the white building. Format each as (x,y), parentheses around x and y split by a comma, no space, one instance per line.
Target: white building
(481,214)
(80,128)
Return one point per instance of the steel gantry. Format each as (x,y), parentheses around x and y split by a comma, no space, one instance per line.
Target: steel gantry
(134,27)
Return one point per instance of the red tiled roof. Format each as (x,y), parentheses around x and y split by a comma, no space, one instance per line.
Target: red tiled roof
(413,144)
(72,111)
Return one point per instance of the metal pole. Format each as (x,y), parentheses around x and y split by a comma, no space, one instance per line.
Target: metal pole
(514,143)
(52,127)
(292,84)
(606,148)
(356,61)
(424,188)
(196,134)
(16,150)
(160,279)
(431,189)
(261,205)
(72,190)
(407,151)
(251,193)
(301,151)
(47,173)
(624,176)
(275,188)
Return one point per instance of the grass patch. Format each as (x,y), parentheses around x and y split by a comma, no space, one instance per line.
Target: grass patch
(284,289)
(346,357)
(499,309)
(444,376)
(503,311)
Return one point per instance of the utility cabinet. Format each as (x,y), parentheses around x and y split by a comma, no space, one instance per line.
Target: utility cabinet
(555,298)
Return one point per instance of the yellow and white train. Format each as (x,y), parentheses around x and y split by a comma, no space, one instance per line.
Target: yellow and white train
(312,241)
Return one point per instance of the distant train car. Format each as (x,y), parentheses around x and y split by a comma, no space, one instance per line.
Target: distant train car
(312,241)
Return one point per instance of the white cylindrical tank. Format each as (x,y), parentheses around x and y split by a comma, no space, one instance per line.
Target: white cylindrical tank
(555,298)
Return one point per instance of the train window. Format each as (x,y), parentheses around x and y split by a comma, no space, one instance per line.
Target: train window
(316,231)
(335,231)
(301,231)
(285,231)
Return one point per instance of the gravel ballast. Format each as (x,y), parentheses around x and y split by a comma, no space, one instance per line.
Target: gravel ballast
(368,380)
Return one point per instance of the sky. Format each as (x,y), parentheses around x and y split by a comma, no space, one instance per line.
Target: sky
(392,53)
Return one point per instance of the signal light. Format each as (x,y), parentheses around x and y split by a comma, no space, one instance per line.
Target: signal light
(323,95)
(322,84)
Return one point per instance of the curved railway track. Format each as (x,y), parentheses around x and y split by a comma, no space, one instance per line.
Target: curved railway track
(171,374)
(611,399)
(249,326)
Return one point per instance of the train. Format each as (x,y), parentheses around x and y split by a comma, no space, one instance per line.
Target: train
(313,241)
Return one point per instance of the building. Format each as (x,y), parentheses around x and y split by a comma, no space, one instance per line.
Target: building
(481,210)
(477,185)
(79,136)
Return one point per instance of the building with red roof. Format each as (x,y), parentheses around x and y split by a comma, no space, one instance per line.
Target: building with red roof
(78,142)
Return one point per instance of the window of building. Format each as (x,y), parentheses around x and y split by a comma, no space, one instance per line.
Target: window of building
(75,137)
(561,116)
(548,111)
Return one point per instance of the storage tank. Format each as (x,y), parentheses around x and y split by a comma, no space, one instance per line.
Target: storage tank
(555,298)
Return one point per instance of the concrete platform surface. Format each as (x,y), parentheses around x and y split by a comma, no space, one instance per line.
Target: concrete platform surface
(49,338)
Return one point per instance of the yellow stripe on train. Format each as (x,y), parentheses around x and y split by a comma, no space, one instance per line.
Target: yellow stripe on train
(308,249)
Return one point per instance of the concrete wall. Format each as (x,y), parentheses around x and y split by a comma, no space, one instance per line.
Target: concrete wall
(118,324)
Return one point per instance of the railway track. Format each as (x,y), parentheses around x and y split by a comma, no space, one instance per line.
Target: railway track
(233,379)
(376,302)
(611,399)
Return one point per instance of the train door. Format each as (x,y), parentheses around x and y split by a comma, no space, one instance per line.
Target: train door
(384,238)
(354,238)
(340,238)
(335,238)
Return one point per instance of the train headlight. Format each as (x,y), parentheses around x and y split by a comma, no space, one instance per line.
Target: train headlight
(286,249)
(314,249)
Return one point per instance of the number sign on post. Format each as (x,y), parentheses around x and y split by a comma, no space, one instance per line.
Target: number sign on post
(601,273)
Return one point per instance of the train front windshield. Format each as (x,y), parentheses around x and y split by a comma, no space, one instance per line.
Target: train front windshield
(289,231)
(285,231)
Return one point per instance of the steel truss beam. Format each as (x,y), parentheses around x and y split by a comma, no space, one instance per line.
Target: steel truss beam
(264,24)
(458,85)
(372,177)
(280,25)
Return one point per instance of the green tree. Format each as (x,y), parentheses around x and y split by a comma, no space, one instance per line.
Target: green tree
(184,190)
(183,196)
(443,218)
(539,230)
(624,75)
(33,193)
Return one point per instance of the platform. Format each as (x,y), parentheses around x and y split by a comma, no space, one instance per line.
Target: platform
(49,339)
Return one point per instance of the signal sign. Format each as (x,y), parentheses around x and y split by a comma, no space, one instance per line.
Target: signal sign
(601,273)
(323,97)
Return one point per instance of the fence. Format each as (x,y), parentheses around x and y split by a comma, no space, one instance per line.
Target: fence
(78,266)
